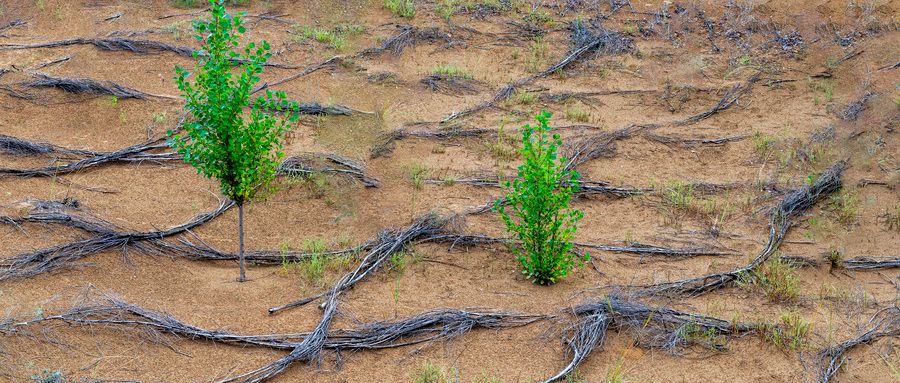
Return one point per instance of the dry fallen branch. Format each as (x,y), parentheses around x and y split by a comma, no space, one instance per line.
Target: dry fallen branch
(86,85)
(306,164)
(147,151)
(693,142)
(128,45)
(408,36)
(388,243)
(451,84)
(428,326)
(603,144)
(792,205)
(104,236)
(885,323)
(602,41)
(852,111)
(871,263)
(657,327)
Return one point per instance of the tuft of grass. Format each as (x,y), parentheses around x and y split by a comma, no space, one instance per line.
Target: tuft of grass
(824,88)
(835,258)
(576,113)
(778,279)
(429,372)
(313,268)
(402,8)
(505,147)
(616,372)
(789,333)
(524,97)
(891,220)
(845,207)
(576,377)
(693,333)
(416,173)
(336,37)
(159,117)
(762,144)
(536,57)
(678,194)
(451,71)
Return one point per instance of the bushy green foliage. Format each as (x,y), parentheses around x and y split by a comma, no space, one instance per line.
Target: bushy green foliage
(218,141)
(241,153)
(536,208)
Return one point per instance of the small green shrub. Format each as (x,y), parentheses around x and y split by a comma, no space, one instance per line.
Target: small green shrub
(402,8)
(678,194)
(536,207)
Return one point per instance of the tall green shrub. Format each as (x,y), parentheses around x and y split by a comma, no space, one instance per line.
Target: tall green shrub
(240,150)
(536,207)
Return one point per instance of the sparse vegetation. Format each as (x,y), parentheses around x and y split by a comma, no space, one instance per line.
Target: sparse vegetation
(429,372)
(577,114)
(402,8)
(790,332)
(778,279)
(451,71)
(845,207)
(416,173)
(505,147)
(335,37)
(536,208)
(536,58)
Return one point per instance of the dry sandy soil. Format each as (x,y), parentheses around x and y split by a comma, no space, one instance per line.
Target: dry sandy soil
(708,115)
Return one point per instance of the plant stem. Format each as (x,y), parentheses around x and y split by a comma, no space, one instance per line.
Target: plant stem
(241,241)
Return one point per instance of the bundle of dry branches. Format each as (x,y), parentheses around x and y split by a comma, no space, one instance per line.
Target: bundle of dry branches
(792,205)
(885,323)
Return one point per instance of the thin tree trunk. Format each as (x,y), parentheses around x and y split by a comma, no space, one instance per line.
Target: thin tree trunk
(241,241)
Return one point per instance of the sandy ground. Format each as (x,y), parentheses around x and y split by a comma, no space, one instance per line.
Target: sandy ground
(783,113)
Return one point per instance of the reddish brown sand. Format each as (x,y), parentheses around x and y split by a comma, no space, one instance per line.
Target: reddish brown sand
(147,196)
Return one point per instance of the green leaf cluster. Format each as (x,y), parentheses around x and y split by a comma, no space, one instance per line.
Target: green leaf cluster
(221,139)
(536,208)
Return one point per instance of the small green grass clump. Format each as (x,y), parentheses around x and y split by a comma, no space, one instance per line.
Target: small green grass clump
(451,71)
(678,194)
(505,147)
(778,278)
(845,207)
(402,8)
(336,37)
(525,97)
(429,372)
(416,173)
(536,58)
(790,333)
(577,114)
(762,144)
